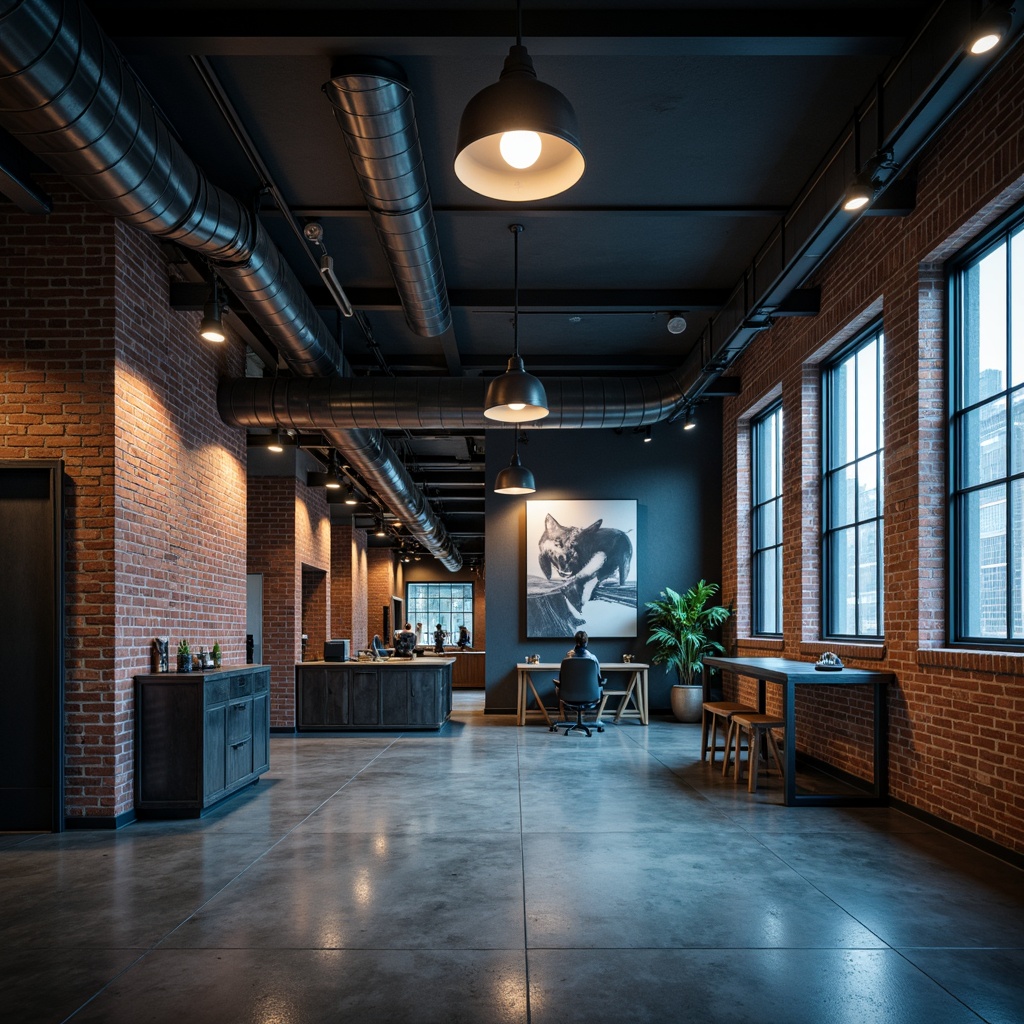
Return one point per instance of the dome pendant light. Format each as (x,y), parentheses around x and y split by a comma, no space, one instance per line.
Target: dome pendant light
(516,396)
(518,139)
(515,478)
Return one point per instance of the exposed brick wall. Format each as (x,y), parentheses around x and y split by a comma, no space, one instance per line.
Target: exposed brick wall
(383,581)
(288,529)
(348,614)
(951,754)
(95,369)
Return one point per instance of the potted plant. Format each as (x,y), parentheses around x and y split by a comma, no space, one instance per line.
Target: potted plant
(184,657)
(217,654)
(679,625)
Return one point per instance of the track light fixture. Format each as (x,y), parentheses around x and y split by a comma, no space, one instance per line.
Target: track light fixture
(518,138)
(313,232)
(380,531)
(350,497)
(276,441)
(648,437)
(865,186)
(991,28)
(689,422)
(515,478)
(210,328)
(516,396)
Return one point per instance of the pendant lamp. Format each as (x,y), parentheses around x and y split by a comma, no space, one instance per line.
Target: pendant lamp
(515,478)
(516,396)
(211,328)
(518,138)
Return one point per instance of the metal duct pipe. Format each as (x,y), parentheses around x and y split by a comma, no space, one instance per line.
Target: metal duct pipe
(67,94)
(439,403)
(373,105)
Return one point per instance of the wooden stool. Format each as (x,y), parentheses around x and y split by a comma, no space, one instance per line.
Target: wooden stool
(713,711)
(756,726)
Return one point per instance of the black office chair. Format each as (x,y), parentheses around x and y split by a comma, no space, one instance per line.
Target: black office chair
(579,687)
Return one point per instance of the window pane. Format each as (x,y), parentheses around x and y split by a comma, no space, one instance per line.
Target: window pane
(843,505)
(984,537)
(1017,305)
(867,405)
(843,573)
(867,576)
(1017,556)
(842,418)
(766,571)
(1017,428)
(867,487)
(984,327)
(984,443)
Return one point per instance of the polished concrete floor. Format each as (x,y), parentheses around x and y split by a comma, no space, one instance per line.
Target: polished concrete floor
(490,874)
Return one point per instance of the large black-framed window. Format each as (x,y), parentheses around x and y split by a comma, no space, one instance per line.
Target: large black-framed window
(852,490)
(450,604)
(987,440)
(766,522)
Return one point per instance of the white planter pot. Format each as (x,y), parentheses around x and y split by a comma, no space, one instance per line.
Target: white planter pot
(687,702)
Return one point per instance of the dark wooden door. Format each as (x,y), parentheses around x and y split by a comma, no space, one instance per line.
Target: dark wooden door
(32,639)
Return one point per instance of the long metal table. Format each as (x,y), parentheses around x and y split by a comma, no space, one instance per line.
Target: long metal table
(790,674)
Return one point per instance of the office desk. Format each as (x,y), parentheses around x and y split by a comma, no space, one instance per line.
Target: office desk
(790,674)
(635,685)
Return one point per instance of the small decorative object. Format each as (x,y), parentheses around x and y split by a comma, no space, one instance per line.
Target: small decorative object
(184,657)
(217,655)
(197,663)
(158,655)
(627,659)
(205,658)
(533,659)
(829,662)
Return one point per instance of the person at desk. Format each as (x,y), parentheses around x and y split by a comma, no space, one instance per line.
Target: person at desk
(379,650)
(581,650)
(405,641)
(463,641)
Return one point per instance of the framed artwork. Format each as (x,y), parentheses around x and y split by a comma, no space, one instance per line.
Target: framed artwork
(581,568)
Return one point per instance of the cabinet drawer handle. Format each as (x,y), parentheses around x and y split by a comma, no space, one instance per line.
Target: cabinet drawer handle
(239,707)
(240,743)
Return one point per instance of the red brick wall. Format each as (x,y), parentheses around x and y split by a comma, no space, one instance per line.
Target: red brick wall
(383,581)
(349,572)
(95,369)
(288,528)
(951,752)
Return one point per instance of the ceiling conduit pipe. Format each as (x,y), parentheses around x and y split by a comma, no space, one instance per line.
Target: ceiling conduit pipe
(373,105)
(68,96)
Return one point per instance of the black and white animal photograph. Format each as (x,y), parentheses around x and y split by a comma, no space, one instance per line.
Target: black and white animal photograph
(581,568)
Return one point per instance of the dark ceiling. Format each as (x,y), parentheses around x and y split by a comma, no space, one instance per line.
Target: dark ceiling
(700,125)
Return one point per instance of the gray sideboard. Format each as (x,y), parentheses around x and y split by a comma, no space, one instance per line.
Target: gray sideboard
(199,737)
(395,694)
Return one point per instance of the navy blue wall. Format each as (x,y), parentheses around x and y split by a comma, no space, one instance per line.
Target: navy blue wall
(676,481)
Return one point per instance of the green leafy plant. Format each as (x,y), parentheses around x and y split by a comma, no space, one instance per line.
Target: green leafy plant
(679,625)
(216,652)
(183,649)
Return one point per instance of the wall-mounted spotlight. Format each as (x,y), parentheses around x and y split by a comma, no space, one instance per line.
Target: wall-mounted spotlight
(991,28)
(865,186)
(859,194)
(210,328)
(689,422)
(648,437)
(276,441)
(350,497)
(380,531)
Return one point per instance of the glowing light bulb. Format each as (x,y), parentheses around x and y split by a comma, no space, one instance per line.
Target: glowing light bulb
(517,406)
(980,45)
(520,149)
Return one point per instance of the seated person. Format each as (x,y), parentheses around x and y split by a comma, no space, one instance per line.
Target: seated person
(405,641)
(463,640)
(581,650)
(379,650)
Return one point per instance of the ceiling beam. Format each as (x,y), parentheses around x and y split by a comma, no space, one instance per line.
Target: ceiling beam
(326,31)
(192,296)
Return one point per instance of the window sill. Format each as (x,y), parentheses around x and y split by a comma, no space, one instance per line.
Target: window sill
(965,659)
(753,644)
(845,649)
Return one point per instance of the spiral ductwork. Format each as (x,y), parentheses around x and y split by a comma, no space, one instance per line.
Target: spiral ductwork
(373,105)
(439,403)
(67,95)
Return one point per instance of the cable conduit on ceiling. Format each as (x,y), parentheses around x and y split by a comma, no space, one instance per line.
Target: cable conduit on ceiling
(67,95)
